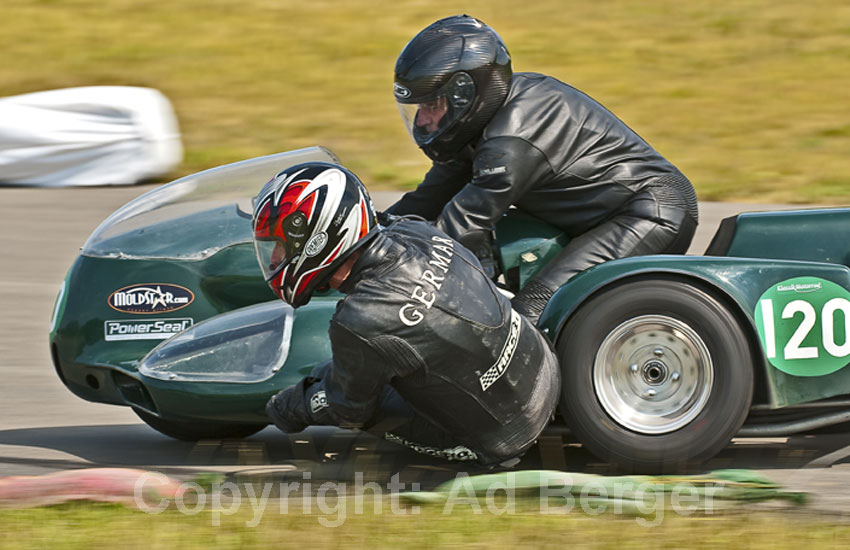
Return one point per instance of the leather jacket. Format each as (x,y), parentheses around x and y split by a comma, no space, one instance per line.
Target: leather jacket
(553,152)
(420,315)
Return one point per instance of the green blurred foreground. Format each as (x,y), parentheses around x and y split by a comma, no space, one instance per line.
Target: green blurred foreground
(90,527)
(460,510)
(749,98)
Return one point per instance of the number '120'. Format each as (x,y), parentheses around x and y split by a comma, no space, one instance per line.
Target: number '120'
(794,348)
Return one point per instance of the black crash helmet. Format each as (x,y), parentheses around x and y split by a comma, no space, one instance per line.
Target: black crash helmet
(449,81)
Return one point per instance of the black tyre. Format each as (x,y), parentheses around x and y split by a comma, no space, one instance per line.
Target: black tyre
(196,431)
(657,375)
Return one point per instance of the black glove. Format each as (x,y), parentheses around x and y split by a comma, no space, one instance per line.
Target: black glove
(481,244)
(385,218)
(531,300)
(286,409)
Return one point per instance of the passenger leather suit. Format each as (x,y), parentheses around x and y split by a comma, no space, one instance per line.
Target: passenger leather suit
(557,154)
(429,354)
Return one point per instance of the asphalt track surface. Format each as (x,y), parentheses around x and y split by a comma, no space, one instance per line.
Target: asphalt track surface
(44,428)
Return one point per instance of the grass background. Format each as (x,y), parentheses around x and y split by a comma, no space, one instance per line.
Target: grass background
(94,527)
(750,98)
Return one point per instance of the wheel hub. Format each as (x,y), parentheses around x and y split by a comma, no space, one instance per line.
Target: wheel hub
(653,374)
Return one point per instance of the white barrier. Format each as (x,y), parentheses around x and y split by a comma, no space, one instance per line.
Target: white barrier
(96,135)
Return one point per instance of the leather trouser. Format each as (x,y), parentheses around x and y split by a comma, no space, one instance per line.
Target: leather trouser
(643,226)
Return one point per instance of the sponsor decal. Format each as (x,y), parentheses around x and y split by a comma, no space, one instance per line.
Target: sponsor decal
(147,298)
(144,329)
(401,91)
(804,326)
(799,287)
(492,171)
(498,369)
(319,401)
(316,244)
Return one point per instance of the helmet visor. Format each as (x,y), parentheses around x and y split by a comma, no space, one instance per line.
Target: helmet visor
(426,120)
(271,255)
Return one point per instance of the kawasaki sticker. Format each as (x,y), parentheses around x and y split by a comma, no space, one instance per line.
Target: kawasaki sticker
(804,326)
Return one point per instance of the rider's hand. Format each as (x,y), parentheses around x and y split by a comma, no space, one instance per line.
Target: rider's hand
(385,218)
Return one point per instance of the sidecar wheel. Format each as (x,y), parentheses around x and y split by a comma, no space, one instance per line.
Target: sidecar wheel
(195,431)
(657,375)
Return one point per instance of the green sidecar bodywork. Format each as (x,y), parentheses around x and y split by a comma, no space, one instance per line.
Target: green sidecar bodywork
(165,311)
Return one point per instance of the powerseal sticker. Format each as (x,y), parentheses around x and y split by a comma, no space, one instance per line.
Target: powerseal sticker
(147,298)
(144,329)
(804,326)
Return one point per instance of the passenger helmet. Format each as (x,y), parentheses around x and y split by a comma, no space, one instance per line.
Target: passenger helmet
(449,81)
(306,221)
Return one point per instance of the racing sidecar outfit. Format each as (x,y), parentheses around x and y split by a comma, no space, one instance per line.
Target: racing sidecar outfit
(557,154)
(428,353)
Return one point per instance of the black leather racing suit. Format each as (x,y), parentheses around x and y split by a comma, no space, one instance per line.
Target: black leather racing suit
(557,154)
(429,354)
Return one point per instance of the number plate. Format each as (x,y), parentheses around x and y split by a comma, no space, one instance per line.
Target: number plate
(804,326)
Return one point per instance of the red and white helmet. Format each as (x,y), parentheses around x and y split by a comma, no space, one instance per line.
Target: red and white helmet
(307,220)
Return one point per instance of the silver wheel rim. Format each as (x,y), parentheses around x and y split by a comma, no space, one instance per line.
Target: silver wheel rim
(653,374)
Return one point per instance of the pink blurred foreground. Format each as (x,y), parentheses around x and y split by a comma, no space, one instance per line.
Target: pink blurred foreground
(117,485)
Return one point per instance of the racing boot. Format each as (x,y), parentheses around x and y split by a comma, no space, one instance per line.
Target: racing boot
(531,300)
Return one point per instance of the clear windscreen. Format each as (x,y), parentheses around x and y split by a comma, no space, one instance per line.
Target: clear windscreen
(195,216)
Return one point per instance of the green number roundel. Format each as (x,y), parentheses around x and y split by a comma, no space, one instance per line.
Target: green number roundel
(804,326)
